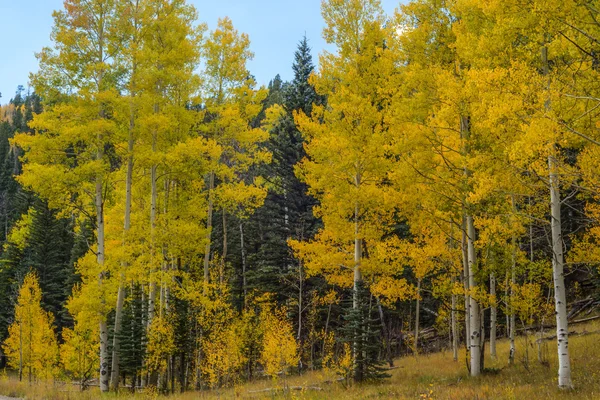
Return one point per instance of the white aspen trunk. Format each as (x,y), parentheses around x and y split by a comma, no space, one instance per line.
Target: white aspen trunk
(493,316)
(454,329)
(357,258)
(153,205)
(417,314)
(474,315)
(104,377)
(466,285)
(512,317)
(114,372)
(560,297)
(300,287)
(211,185)
(244,283)
(222,272)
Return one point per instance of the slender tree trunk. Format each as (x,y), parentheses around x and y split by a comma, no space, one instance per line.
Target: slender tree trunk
(512,318)
(560,297)
(211,186)
(104,377)
(454,330)
(357,258)
(244,281)
(224,257)
(20,352)
(493,316)
(300,305)
(114,374)
(466,285)
(417,315)
(474,316)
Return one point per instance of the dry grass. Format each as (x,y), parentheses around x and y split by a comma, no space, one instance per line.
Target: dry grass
(434,376)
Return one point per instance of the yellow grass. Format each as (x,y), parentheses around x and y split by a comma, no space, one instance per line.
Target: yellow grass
(434,376)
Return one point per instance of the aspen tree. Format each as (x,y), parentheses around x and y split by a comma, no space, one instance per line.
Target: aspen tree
(77,80)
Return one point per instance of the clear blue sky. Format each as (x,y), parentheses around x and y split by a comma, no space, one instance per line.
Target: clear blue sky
(274,26)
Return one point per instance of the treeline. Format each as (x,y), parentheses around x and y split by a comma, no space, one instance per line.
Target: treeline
(173,225)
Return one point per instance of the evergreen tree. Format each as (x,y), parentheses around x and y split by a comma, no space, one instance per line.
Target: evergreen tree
(362,330)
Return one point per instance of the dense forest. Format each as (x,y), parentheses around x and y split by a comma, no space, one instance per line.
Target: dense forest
(431,183)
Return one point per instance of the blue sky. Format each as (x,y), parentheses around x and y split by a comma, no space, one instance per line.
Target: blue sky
(274,27)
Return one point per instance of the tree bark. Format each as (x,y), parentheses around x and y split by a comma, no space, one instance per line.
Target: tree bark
(114,374)
(417,315)
(493,316)
(474,315)
(560,297)
(244,282)
(466,285)
(104,377)
(211,186)
(454,329)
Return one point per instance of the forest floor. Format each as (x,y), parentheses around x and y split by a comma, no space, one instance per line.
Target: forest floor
(432,376)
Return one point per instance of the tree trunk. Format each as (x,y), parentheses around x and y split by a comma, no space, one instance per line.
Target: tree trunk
(493,316)
(474,316)
(244,282)
(512,317)
(114,374)
(211,186)
(466,285)
(357,258)
(454,330)
(224,256)
(417,315)
(104,377)
(560,297)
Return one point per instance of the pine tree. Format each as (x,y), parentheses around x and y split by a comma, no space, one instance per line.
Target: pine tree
(362,330)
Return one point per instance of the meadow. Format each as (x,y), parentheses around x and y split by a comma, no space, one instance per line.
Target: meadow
(427,376)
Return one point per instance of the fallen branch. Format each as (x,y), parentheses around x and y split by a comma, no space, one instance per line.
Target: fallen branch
(299,388)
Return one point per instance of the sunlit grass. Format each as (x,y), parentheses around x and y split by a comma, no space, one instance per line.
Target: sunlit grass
(434,376)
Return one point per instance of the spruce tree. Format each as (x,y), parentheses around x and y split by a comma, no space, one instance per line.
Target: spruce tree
(362,330)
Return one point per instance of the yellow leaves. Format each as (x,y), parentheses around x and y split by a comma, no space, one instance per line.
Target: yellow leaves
(31,343)
(161,343)
(392,290)
(19,234)
(279,347)
(79,351)
(223,352)
(341,364)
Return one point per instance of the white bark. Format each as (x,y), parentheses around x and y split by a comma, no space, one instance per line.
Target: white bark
(454,329)
(417,315)
(512,318)
(357,257)
(493,317)
(560,298)
(466,285)
(211,185)
(114,372)
(244,283)
(474,315)
(100,258)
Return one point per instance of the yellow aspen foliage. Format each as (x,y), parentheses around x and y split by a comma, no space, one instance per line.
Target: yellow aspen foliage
(79,352)
(279,347)
(31,346)
(223,353)
(161,343)
(337,364)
